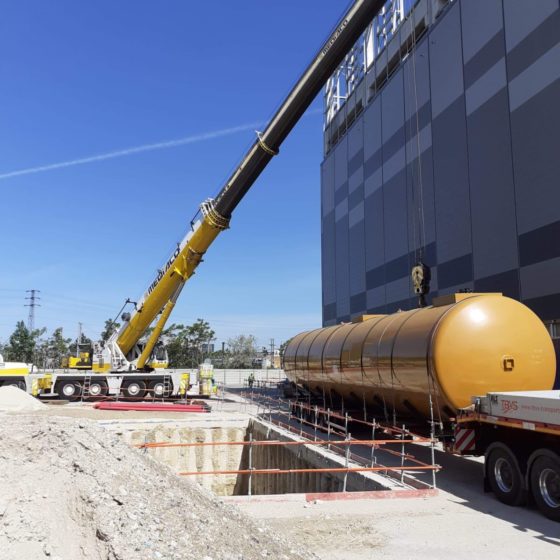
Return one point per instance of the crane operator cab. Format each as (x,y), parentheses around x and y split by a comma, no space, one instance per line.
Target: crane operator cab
(158,359)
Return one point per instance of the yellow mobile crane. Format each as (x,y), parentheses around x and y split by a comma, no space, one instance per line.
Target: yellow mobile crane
(122,353)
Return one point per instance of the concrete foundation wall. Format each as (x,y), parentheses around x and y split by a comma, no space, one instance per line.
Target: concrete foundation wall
(203,458)
(298,457)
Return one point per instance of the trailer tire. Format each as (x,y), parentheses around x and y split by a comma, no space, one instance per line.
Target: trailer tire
(69,390)
(156,389)
(134,390)
(545,484)
(504,476)
(97,390)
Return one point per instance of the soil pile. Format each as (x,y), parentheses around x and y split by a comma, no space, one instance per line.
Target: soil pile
(69,490)
(16,400)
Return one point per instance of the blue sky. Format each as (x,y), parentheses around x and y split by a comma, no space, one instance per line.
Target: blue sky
(80,79)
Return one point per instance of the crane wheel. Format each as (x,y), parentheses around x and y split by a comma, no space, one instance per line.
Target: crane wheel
(19,384)
(69,390)
(97,390)
(504,476)
(545,484)
(134,390)
(156,389)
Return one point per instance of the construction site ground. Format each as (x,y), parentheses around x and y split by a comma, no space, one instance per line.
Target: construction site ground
(461,521)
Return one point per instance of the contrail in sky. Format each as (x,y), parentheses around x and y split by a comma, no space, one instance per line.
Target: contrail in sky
(145,148)
(134,150)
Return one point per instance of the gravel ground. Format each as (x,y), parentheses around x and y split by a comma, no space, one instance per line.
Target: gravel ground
(70,490)
(461,522)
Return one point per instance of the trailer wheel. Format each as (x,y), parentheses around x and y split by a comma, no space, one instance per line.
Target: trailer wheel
(545,485)
(505,477)
(134,390)
(157,390)
(69,390)
(97,390)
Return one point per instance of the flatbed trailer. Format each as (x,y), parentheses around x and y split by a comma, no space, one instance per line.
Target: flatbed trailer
(519,435)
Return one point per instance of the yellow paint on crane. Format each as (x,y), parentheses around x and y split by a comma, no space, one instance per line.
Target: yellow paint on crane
(14,371)
(180,270)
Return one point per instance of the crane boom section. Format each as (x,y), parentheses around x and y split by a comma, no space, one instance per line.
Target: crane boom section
(324,64)
(179,268)
(216,213)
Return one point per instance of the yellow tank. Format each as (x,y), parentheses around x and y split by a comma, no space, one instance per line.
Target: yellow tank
(462,346)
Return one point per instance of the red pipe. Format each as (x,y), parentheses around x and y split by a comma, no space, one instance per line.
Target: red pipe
(151,407)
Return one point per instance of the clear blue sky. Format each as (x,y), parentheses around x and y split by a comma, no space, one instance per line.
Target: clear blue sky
(81,79)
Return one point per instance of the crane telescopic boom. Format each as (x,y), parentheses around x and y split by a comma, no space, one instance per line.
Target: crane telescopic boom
(216,213)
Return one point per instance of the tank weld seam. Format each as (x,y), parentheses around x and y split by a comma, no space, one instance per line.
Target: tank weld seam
(392,369)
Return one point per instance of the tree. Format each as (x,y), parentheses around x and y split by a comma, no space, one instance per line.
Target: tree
(242,351)
(283,347)
(186,344)
(110,327)
(22,344)
(57,348)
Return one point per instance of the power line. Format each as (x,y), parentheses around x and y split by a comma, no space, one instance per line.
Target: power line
(33,299)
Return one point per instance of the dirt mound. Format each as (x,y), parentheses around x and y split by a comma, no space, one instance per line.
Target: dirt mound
(16,400)
(69,490)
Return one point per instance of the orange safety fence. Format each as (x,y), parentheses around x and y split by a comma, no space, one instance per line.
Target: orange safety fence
(317,470)
(278,442)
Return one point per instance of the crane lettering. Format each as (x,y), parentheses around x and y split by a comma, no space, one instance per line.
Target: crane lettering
(162,272)
(335,36)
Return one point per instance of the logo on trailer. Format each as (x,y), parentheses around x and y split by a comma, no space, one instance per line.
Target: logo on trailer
(508,406)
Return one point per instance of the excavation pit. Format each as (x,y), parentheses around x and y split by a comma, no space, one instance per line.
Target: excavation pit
(213,451)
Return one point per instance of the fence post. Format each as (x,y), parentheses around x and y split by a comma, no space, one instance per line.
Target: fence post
(373,458)
(249,490)
(402,453)
(432,443)
(348,437)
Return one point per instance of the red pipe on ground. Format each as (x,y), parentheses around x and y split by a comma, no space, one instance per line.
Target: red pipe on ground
(151,407)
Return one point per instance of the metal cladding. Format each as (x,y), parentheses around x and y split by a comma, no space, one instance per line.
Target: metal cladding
(464,345)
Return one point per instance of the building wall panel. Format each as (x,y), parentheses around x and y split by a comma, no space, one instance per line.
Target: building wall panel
(455,159)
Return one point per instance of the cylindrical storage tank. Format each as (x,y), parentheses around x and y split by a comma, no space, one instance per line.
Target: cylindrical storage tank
(463,346)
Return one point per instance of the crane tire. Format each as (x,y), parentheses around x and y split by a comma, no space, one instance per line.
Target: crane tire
(134,389)
(504,476)
(69,390)
(156,389)
(19,384)
(97,390)
(545,484)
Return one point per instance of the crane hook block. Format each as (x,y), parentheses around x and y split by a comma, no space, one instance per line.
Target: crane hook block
(421,277)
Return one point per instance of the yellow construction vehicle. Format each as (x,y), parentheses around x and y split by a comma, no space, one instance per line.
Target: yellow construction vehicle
(23,376)
(13,373)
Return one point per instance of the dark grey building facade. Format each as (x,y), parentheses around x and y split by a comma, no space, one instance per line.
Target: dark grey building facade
(451,154)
